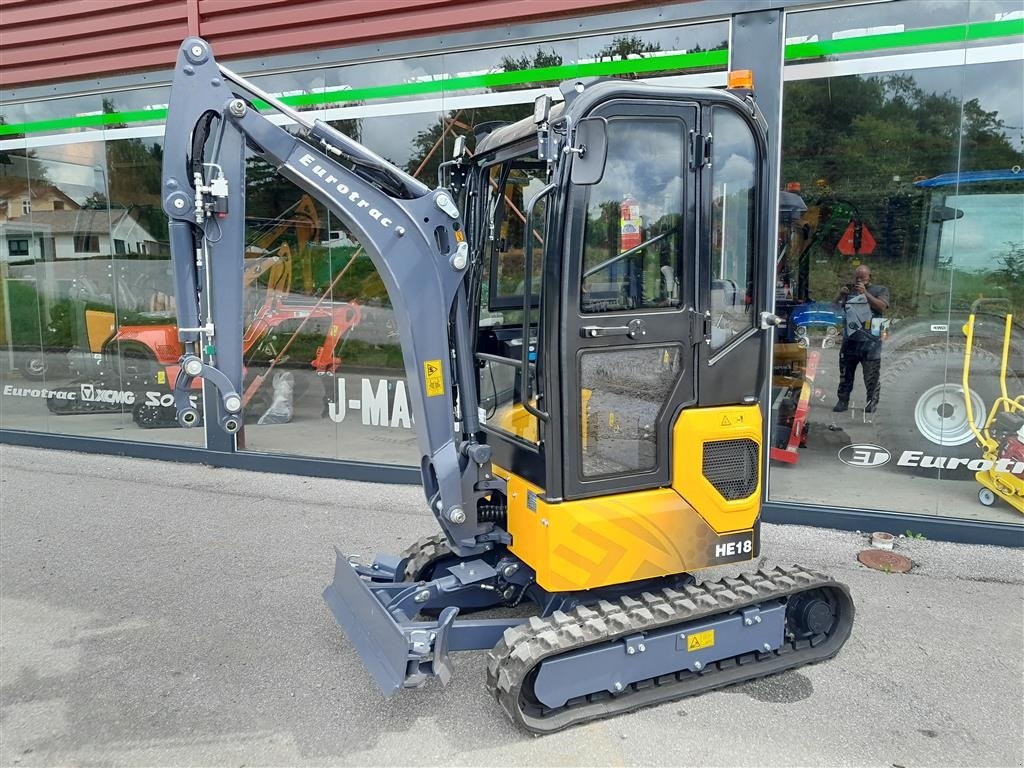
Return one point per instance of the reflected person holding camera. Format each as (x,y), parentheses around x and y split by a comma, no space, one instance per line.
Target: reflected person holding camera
(863,304)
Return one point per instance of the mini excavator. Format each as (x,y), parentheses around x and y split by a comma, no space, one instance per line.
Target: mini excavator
(583,325)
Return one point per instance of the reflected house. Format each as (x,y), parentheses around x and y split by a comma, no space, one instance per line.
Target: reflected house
(21,238)
(39,222)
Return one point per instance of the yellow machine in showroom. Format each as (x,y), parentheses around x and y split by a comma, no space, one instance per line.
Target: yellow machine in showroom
(583,327)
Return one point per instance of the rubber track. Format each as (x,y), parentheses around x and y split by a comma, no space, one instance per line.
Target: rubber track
(77,408)
(421,553)
(524,647)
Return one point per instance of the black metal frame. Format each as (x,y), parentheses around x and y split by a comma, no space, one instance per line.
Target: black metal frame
(731,373)
(669,321)
(527,461)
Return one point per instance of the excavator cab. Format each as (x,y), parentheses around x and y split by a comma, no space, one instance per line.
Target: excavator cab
(584,346)
(619,339)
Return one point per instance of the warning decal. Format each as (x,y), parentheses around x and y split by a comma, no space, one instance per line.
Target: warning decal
(698,641)
(433,377)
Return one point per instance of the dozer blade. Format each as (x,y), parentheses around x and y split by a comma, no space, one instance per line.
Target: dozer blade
(378,639)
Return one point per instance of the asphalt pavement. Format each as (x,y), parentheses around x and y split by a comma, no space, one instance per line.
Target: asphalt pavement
(156,613)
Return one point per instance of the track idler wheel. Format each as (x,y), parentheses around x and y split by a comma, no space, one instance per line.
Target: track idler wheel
(429,558)
(810,614)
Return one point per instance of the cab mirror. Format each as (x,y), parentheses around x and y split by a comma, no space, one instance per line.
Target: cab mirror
(590,147)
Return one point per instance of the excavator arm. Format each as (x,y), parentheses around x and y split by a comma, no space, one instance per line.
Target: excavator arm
(413,235)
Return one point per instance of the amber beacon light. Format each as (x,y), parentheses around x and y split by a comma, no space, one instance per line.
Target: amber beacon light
(741,79)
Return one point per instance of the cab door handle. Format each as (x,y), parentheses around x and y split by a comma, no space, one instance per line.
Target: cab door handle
(636,329)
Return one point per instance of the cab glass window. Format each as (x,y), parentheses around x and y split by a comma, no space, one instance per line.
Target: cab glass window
(509,188)
(733,209)
(633,236)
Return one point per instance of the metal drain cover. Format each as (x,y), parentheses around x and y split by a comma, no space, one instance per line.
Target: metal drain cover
(883,560)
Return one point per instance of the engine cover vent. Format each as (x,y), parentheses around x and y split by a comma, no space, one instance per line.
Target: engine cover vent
(731,467)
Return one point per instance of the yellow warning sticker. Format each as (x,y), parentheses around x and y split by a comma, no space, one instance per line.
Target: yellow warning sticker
(433,377)
(726,422)
(698,641)
(161,377)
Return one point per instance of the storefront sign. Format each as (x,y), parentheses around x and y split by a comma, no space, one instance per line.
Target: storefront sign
(920,459)
(381,403)
(867,455)
(85,393)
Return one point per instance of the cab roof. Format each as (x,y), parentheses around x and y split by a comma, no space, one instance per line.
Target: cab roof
(514,132)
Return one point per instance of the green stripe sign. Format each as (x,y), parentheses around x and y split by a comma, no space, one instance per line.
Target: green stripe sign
(953,34)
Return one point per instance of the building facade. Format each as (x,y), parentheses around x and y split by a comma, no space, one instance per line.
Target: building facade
(898,135)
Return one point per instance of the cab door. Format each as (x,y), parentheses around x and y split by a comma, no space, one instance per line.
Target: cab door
(734,257)
(628,304)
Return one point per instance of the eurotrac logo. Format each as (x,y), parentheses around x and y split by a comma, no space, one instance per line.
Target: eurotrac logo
(324,174)
(921,459)
(869,455)
(864,455)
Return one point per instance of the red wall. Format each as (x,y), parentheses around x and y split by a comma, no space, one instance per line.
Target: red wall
(73,39)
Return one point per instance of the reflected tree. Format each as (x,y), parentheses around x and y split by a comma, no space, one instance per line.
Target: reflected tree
(864,141)
(133,180)
(431,147)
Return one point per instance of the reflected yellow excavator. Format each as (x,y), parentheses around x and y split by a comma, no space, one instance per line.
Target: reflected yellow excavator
(146,356)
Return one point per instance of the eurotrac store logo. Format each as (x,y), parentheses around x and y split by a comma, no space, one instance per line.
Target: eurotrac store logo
(864,455)
(869,455)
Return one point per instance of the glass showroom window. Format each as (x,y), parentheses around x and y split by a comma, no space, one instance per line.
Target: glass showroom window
(329,357)
(93,346)
(902,215)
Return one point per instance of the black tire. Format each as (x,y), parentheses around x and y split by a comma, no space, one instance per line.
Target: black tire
(922,406)
(148,416)
(36,366)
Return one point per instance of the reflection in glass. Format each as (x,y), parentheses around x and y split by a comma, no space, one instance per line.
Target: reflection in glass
(873,29)
(633,239)
(324,368)
(915,175)
(88,294)
(733,205)
(622,392)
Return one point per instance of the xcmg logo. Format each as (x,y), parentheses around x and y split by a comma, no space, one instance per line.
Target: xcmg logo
(864,455)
